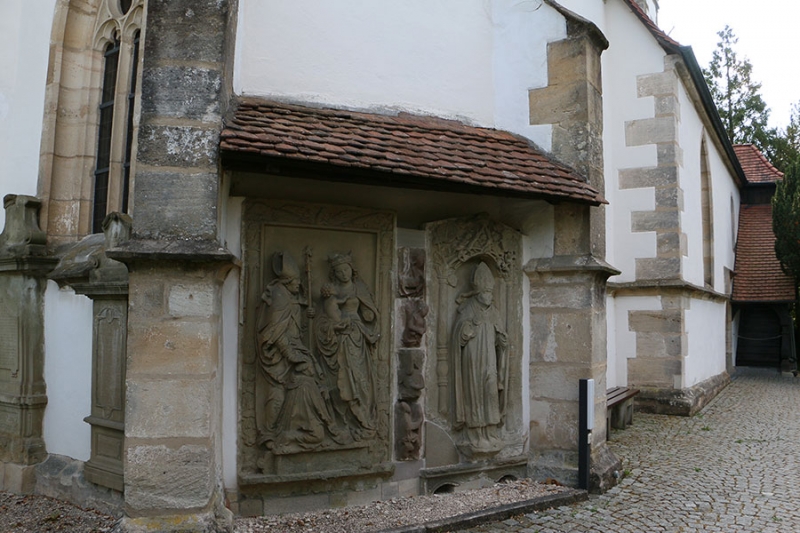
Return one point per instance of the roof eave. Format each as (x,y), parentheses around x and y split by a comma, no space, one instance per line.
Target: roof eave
(285,166)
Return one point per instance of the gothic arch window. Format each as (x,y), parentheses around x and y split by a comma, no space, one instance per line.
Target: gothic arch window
(707,213)
(91,116)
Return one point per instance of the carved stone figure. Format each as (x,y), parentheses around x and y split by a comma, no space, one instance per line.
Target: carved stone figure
(347,338)
(409,376)
(415,312)
(408,424)
(411,276)
(480,370)
(295,416)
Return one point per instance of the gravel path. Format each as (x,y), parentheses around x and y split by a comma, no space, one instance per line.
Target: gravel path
(23,514)
(39,514)
(394,513)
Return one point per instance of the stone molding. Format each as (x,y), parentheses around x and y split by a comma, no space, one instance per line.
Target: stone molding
(667,286)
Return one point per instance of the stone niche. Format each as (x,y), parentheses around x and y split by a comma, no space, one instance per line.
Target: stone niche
(317,334)
(473,405)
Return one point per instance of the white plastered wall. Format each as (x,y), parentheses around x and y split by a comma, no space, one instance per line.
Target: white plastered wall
(67,371)
(25,29)
(231,230)
(705,325)
(632,52)
(471,60)
(705,335)
(723,189)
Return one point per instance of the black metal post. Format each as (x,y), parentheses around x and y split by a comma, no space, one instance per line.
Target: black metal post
(586,424)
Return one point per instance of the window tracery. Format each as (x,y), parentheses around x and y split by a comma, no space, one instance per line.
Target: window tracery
(91,118)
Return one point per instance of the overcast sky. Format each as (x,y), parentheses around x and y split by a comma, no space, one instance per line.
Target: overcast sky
(769,36)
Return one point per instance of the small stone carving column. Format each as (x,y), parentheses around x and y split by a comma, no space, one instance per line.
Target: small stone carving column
(408,412)
(23,270)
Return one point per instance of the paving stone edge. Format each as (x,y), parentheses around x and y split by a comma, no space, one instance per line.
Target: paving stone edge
(492,514)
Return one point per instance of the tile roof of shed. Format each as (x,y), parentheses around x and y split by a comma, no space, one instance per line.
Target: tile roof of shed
(759,277)
(400,150)
(755,165)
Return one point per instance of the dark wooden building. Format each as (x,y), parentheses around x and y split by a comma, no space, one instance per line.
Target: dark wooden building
(763,294)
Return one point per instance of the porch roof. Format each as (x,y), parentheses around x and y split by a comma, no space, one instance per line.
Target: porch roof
(401,150)
(759,277)
(755,165)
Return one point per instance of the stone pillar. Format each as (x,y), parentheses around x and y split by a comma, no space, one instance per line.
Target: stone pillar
(173,457)
(568,308)
(568,330)
(23,270)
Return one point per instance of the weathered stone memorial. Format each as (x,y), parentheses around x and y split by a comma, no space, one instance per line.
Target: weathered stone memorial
(349,370)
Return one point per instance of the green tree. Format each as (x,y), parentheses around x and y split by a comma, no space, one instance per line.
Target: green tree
(743,111)
(785,148)
(786,220)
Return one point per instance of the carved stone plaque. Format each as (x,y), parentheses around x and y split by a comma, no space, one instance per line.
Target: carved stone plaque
(476,295)
(317,331)
(9,343)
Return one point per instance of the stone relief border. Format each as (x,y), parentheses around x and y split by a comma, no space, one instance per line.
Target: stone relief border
(280,215)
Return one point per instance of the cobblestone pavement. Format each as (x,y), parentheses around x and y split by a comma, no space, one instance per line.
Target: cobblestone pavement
(733,467)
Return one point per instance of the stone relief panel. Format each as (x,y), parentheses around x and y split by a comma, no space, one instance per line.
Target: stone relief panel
(475,295)
(317,330)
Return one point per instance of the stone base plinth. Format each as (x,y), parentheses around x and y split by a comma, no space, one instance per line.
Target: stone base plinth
(680,402)
(19,479)
(471,475)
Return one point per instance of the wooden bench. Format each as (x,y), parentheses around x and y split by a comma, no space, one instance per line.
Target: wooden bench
(619,405)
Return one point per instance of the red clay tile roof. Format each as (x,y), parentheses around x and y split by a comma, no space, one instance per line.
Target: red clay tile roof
(755,165)
(759,277)
(402,150)
(663,39)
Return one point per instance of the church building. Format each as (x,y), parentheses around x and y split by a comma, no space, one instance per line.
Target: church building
(262,257)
